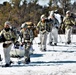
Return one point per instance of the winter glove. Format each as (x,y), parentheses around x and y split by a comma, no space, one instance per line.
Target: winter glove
(7,44)
(56,27)
(13,39)
(43,32)
(22,44)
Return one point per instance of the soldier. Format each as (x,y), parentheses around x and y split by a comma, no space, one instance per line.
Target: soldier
(7,39)
(30,27)
(26,39)
(43,33)
(69,22)
(54,29)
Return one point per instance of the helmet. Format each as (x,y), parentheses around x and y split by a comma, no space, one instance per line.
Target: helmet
(24,25)
(42,16)
(67,12)
(52,13)
(29,23)
(56,11)
(7,23)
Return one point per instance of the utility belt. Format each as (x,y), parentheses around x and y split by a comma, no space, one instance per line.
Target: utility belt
(27,37)
(69,24)
(27,41)
(7,44)
(42,29)
(43,32)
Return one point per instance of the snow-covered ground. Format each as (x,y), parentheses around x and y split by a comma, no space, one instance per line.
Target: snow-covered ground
(57,60)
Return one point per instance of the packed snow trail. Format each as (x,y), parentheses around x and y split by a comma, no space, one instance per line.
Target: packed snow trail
(57,60)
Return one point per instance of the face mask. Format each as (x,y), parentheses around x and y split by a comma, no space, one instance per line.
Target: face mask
(7,29)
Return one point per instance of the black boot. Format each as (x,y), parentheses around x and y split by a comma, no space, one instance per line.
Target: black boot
(6,65)
(43,50)
(50,43)
(11,62)
(0,58)
(27,61)
(68,42)
(39,43)
(55,44)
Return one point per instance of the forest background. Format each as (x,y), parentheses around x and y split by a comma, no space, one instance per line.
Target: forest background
(20,11)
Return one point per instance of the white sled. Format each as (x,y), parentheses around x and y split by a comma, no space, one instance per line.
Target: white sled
(19,51)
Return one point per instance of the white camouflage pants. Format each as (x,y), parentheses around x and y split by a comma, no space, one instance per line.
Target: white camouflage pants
(68,33)
(43,39)
(27,51)
(53,37)
(6,55)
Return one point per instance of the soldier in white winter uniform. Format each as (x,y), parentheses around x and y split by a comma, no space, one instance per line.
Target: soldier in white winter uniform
(68,22)
(26,39)
(43,33)
(7,39)
(53,37)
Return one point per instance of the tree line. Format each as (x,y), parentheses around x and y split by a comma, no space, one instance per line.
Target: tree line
(18,13)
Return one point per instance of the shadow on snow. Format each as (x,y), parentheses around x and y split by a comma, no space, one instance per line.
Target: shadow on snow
(37,55)
(43,63)
(67,51)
